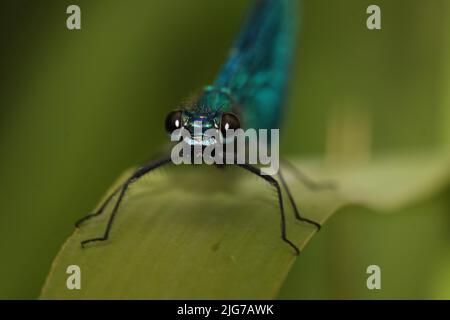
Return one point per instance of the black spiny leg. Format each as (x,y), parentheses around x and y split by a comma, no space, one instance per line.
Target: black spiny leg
(99,210)
(310,184)
(105,203)
(294,206)
(275,184)
(136,175)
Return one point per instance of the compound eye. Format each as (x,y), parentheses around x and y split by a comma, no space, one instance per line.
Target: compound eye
(229,121)
(173,121)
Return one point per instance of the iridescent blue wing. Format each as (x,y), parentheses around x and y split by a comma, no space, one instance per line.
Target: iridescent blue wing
(257,70)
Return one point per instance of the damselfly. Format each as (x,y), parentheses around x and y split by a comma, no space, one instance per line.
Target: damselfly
(248,93)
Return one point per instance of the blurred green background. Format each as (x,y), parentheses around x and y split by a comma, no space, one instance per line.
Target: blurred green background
(78,107)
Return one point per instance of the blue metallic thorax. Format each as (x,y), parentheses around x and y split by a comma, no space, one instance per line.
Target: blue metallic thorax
(253,80)
(208,109)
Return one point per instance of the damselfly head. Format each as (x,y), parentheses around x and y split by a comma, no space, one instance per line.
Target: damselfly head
(202,128)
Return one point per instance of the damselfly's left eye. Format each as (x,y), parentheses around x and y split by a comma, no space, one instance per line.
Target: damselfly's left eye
(229,121)
(173,121)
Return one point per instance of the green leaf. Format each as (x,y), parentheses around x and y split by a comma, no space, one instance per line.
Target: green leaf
(192,232)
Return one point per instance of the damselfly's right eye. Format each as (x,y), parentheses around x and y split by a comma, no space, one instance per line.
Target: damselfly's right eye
(229,121)
(173,121)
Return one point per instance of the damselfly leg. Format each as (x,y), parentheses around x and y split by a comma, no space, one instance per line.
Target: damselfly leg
(100,210)
(308,182)
(294,206)
(134,177)
(105,203)
(276,185)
